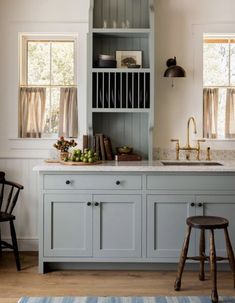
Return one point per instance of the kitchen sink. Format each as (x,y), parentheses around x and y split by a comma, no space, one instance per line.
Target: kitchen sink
(193,163)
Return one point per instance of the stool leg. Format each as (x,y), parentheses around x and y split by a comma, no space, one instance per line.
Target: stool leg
(230,254)
(0,243)
(202,254)
(15,245)
(183,257)
(214,294)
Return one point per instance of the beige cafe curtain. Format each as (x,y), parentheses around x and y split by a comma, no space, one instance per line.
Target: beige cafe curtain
(210,112)
(68,118)
(230,114)
(32,110)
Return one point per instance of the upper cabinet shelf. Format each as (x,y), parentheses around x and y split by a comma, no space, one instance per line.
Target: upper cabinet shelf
(120,32)
(122,14)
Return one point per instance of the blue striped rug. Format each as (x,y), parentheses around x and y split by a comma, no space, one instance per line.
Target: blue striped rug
(123,300)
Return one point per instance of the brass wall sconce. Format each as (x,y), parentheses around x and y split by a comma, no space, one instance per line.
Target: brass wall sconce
(173,70)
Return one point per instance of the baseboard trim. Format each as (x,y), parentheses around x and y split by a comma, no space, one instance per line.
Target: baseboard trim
(25,244)
(126,266)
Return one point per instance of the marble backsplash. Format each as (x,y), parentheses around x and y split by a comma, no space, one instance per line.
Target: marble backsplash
(170,154)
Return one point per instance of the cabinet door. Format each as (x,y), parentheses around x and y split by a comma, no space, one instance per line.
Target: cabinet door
(221,206)
(166,225)
(117,226)
(67,225)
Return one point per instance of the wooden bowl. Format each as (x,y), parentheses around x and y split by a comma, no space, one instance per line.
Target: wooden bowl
(124,150)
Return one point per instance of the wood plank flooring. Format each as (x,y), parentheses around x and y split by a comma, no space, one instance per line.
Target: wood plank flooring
(28,282)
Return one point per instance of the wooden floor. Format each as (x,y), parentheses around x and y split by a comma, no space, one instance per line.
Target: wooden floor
(28,282)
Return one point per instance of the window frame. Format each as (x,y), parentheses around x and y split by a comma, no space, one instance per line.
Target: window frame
(220,39)
(23,62)
(223,39)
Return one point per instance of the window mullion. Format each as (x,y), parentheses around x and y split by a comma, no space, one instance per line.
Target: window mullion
(50,83)
(229,64)
(27,64)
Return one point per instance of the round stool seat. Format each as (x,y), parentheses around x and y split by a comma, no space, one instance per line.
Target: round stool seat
(207,222)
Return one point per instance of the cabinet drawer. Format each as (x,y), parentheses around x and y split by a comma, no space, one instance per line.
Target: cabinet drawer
(92,182)
(187,182)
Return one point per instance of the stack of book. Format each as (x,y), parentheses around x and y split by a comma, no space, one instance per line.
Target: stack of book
(103,147)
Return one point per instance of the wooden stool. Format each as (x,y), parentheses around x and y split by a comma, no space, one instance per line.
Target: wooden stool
(203,223)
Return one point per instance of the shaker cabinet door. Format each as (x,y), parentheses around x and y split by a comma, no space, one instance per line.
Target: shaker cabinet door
(166,225)
(221,206)
(67,225)
(117,226)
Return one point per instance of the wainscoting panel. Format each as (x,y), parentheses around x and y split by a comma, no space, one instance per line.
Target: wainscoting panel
(26,211)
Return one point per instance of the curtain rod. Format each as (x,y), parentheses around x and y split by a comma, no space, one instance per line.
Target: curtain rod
(219,86)
(48,86)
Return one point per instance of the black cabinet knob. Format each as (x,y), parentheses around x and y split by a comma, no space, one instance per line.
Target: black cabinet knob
(192,204)
(118,182)
(68,182)
(88,203)
(96,203)
(200,204)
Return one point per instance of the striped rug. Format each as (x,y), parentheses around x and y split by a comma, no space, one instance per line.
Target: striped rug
(123,300)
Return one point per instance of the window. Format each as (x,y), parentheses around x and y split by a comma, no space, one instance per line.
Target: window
(48,65)
(219,86)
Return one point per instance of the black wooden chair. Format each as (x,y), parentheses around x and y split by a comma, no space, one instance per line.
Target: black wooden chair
(9,193)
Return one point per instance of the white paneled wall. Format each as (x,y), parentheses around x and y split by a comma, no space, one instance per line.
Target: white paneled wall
(26,211)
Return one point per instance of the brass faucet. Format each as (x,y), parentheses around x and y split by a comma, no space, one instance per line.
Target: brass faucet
(187,148)
(195,131)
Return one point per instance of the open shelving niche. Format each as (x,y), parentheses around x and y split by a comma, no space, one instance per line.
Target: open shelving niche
(120,100)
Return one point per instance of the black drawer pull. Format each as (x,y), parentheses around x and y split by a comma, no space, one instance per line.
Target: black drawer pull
(68,182)
(118,182)
(88,203)
(97,203)
(200,204)
(192,204)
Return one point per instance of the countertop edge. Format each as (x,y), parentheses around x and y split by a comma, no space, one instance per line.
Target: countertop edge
(140,166)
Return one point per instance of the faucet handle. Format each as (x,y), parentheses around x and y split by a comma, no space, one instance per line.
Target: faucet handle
(199,147)
(208,153)
(177,147)
(198,142)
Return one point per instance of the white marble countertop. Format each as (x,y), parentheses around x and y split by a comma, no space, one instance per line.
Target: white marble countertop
(140,166)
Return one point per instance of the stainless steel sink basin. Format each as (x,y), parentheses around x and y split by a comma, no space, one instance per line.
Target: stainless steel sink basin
(188,163)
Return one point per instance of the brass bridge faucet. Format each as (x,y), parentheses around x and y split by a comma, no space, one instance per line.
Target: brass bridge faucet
(187,148)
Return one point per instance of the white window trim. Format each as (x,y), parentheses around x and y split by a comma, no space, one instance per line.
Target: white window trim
(17,144)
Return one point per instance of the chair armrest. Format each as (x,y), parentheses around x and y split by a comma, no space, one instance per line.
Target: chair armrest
(14,184)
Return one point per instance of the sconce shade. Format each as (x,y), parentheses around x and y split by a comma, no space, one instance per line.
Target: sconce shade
(173,69)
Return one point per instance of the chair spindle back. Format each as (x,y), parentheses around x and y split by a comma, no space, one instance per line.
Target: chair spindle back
(9,195)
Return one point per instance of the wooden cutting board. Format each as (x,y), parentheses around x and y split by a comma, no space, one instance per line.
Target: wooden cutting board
(72,163)
(52,161)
